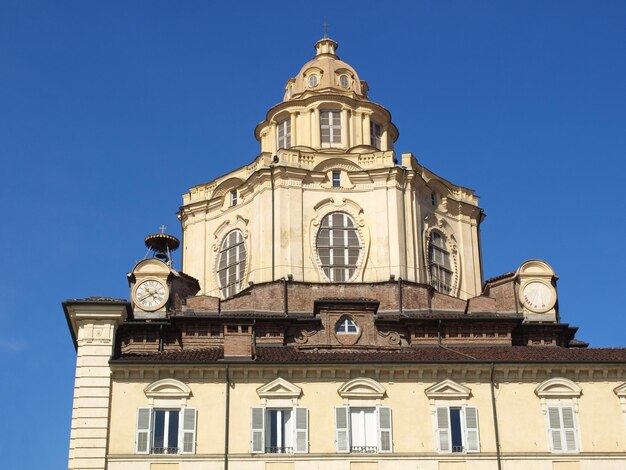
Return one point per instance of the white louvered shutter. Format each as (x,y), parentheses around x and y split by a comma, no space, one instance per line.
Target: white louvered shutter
(301,430)
(142,438)
(342,428)
(257,430)
(384,429)
(443,428)
(569,429)
(472,441)
(187,438)
(554,428)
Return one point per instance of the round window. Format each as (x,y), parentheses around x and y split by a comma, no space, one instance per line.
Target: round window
(344,82)
(313,81)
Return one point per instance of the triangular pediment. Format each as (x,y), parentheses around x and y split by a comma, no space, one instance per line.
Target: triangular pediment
(279,388)
(620,390)
(448,389)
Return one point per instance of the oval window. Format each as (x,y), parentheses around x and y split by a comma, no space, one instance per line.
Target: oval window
(344,82)
(313,81)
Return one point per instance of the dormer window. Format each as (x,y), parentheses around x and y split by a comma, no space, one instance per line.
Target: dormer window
(330,125)
(376,134)
(283,134)
(233,198)
(336,179)
(313,81)
(344,82)
(346,326)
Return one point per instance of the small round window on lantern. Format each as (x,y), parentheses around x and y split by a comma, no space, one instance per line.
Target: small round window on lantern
(313,81)
(346,326)
(344,82)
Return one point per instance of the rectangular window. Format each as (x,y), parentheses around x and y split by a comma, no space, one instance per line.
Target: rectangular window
(336,179)
(376,134)
(363,429)
(283,134)
(279,430)
(457,429)
(166,431)
(233,198)
(562,429)
(330,127)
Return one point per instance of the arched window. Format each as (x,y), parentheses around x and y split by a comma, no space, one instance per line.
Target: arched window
(338,246)
(232,263)
(439,265)
(346,325)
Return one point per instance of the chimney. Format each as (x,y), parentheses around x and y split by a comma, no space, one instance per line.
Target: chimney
(238,341)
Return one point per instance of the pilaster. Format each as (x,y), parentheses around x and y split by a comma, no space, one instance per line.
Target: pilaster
(93,325)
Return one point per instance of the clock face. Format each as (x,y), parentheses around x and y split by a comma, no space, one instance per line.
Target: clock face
(151,294)
(538,297)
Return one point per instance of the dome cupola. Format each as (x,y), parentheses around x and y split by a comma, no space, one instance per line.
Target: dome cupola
(325,73)
(326,109)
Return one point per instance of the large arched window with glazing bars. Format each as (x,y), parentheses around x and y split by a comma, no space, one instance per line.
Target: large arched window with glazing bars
(439,266)
(231,263)
(338,247)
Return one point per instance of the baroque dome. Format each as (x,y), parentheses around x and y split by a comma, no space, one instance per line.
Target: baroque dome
(325,73)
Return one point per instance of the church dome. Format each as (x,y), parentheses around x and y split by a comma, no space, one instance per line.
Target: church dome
(325,73)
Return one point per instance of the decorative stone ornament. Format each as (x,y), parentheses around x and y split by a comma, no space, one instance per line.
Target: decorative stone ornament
(150,291)
(536,292)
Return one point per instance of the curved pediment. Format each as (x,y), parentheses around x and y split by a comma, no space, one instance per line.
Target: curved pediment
(362,387)
(448,389)
(167,388)
(279,388)
(558,387)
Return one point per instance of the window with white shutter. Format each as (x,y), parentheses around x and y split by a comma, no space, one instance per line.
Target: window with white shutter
(338,247)
(279,430)
(165,431)
(363,430)
(457,429)
(231,265)
(562,429)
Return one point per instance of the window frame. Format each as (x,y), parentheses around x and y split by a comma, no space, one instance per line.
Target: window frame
(376,134)
(444,429)
(260,430)
(336,178)
(185,434)
(440,271)
(239,265)
(338,247)
(344,437)
(344,325)
(284,127)
(334,129)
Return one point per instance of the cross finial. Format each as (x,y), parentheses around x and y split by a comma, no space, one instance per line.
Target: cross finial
(325,25)
(162,227)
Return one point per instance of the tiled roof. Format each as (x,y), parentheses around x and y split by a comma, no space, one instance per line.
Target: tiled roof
(288,354)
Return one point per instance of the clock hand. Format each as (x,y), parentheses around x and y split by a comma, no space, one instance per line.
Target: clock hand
(145,296)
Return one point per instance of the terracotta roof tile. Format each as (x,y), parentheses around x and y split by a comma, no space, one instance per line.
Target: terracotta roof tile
(288,354)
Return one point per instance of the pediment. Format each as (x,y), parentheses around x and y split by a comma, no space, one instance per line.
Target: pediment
(448,389)
(167,388)
(557,388)
(620,390)
(279,388)
(361,387)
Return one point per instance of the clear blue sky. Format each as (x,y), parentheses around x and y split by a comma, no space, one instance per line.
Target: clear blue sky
(109,111)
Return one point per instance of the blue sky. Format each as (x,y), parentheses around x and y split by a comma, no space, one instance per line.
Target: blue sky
(109,111)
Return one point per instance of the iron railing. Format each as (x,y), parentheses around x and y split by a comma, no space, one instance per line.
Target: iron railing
(364,449)
(278,450)
(164,450)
